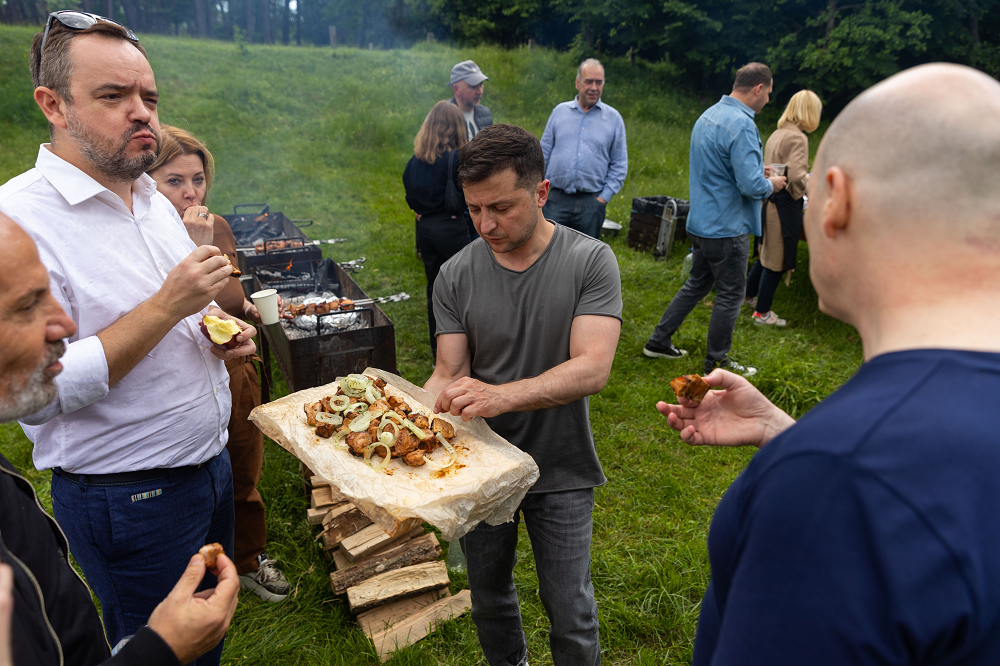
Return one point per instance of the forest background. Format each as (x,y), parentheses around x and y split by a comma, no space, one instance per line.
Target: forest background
(836,47)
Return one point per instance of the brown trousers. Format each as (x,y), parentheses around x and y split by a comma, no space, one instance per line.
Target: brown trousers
(246,453)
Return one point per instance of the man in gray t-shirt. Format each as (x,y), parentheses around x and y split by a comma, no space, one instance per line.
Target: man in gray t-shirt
(528,321)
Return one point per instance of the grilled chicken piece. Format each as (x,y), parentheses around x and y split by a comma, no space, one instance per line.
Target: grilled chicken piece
(446,429)
(322,308)
(325,403)
(430,443)
(373,431)
(415,458)
(690,386)
(326,429)
(236,271)
(346,304)
(379,383)
(405,443)
(310,310)
(399,405)
(211,553)
(380,404)
(311,409)
(357,442)
(419,420)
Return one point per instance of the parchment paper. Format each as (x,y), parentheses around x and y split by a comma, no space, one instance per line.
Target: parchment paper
(488,481)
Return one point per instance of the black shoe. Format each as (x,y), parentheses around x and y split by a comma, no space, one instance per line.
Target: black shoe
(652,351)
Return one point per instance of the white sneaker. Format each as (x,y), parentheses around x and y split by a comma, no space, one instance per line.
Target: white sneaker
(770,319)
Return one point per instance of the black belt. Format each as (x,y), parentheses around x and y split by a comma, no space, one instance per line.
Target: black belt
(127,478)
(578,193)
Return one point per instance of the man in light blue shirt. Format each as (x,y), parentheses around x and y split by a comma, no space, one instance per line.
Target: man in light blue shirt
(586,157)
(727,184)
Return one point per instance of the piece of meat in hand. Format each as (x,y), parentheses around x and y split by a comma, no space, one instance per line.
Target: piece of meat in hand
(690,386)
(414,458)
(211,553)
(357,442)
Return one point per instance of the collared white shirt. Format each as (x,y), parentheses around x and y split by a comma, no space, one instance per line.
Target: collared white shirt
(173,408)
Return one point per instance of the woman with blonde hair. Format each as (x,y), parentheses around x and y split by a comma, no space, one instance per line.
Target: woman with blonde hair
(432,191)
(183,173)
(782,221)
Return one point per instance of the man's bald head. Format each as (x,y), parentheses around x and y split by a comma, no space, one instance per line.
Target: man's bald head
(922,149)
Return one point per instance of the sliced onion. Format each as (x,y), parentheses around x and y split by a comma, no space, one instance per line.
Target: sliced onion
(376,412)
(453,457)
(338,441)
(385,461)
(421,435)
(360,406)
(355,385)
(339,402)
(388,439)
(383,425)
(361,423)
(372,394)
(392,416)
(332,419)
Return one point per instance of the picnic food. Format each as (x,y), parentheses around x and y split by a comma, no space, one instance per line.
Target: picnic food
(222,332)
(236,271)
(690,386)
(211,553)
(319,308)
(281,244)
(361,418)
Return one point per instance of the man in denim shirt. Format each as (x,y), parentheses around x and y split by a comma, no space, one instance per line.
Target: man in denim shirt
(727,184)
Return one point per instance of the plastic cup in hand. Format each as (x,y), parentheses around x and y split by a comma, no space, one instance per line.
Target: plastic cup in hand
(267,305)
(778,169)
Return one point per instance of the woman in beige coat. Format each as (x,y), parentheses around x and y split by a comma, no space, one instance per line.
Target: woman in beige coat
(782,221)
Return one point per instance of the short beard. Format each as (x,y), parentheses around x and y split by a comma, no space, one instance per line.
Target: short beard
(35,392)
(107,158)
(521,240)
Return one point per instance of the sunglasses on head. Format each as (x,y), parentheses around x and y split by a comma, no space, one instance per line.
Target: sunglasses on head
(75,20)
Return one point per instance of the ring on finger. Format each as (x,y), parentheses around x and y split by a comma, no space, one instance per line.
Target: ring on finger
(204,215)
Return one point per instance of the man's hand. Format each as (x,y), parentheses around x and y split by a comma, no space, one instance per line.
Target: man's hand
(778,182)
(739,415)
(468,397)
(600,200)
(193,283)
(190,622)
(246,346)
(6,613)
(200,229)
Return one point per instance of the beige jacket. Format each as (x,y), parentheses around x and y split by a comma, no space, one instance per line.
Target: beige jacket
(790,146)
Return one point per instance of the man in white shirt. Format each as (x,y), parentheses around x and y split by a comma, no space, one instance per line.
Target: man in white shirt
(137,435)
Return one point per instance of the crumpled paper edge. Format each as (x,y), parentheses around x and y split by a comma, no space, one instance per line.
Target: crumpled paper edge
(490,492)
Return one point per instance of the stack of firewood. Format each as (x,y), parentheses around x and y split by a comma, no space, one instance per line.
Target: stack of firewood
(396,585)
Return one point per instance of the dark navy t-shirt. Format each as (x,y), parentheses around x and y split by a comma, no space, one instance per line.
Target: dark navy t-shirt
(869,533)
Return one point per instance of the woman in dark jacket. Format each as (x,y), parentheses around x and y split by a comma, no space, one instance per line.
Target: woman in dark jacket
(432,191)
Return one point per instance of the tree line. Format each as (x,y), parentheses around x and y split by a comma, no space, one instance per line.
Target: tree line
(835,47)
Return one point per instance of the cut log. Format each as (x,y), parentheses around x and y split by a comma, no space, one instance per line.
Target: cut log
(341,523)
(379,619)
(341,562)
(372,539)
(421,623)
(395,585)
(412,551)
(339,559)
(317,482)
(326,496)
(316,515)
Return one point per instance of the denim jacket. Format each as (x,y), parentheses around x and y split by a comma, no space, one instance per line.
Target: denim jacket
(727,180)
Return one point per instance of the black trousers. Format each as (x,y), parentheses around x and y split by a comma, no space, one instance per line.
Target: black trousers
(763,283)
(439,238)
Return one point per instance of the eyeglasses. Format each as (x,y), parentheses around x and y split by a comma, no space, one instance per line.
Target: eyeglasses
(80,21)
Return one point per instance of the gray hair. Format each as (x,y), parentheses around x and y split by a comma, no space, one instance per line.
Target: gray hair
(589,62)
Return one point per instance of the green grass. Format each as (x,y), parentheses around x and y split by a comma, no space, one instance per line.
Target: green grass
(324,134)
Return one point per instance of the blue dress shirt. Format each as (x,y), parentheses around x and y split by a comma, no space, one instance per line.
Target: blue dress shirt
(726,178)
(585,152)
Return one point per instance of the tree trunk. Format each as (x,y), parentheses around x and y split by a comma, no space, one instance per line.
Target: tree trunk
(298,22)
(131,14)
(199,18)
(249,21)
(831,21)
(974,25)
(110,9)
(266,20)
(284,24)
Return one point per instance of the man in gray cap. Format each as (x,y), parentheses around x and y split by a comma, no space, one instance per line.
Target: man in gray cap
(467,83)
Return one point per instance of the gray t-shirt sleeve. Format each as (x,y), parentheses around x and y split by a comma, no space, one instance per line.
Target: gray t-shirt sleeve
(602,286)
(446,305)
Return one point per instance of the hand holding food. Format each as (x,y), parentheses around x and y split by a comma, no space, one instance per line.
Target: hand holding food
(692,387)
(361,418)
(194,282)
(224,327)
(211,553)
(222,332)
(738,415)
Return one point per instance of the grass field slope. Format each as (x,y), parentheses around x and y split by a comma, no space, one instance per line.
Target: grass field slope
(324,134)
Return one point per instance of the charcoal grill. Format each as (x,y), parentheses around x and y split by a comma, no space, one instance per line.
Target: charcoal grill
(321,358)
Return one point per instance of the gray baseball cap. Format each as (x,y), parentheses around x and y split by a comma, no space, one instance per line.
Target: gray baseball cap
(469,72)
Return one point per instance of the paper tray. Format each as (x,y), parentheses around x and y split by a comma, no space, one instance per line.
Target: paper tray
(487,482)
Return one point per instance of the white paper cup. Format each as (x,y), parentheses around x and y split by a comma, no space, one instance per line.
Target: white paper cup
(267,305)
(778,169)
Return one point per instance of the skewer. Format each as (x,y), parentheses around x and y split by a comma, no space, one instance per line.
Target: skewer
(329,241)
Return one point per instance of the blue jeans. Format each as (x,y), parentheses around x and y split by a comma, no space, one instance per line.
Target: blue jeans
(581,211)
(133,551)
(718,261)
(560,527)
